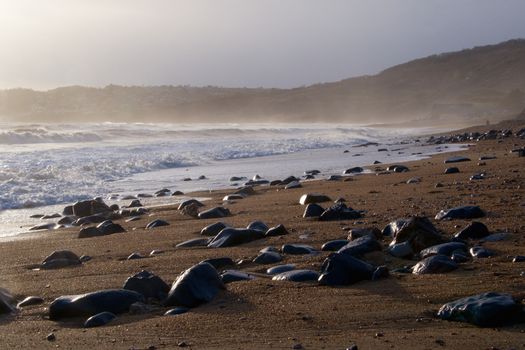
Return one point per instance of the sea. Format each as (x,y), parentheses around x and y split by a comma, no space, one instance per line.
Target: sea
(44,167)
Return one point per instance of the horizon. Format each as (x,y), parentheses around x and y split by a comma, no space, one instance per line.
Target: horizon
(234,44)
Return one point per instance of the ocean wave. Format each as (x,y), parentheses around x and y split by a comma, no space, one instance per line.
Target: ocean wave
(41,135)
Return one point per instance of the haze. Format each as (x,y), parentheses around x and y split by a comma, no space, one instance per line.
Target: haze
(234,43)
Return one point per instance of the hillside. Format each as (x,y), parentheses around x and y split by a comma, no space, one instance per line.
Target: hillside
(483,83)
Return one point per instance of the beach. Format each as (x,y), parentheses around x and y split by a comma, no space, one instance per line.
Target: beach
(397,312)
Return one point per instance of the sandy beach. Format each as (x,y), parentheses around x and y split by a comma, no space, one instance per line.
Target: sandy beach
(397,312)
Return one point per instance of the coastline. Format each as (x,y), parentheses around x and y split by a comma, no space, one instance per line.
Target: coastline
(394,312)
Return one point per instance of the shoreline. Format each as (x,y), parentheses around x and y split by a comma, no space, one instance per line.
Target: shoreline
(397,311)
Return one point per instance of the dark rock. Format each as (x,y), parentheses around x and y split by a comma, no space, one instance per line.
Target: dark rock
(420,232)
(354,170)
(195,242)
(230,237)
(85,258)
(176,311)
(457,159)
(313,210)
(297,276)
(278,230)
(334,178)
(46,226)
(112,300)
(177,193)
(487,157)
(108,227)
(393,227)
(401,250)
(292,185)
(496,237)
(297,249)
(100,319)
(59,259)
(452,170)
(156,223)
(289,180)
(340,212)
(188,202)
(356,233)
(268,258)
(219,263)
(217,212)
(32,300)
(479,176)
(257,225)
(434,264)
(343,269)
(444,249)
(51,337)
(480,252)
(245,191)
(280,269)
(414,180)
(50,216)
(459,257)
(229,276)
(213,229)
(135,256)
(199,284)
(313,198)
(144,195)
(89,207)
(484,310)
(518,258)
(474,230)
(135,204)
(66,220)
(312,172)
(465,212)
(361,246)
(68,210)
(334,245)
(232,197)
(237,178)
(396,168)
(147,284)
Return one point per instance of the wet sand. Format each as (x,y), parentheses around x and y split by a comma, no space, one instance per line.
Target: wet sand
(393,313)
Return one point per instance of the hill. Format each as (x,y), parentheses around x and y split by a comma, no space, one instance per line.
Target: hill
(478,84)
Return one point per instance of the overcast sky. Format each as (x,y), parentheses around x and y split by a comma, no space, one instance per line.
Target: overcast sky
(271,43)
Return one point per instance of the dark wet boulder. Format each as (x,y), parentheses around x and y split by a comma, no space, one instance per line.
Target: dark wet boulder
(135,203)
(276,182)
(7,302)
(176,311)
(420,232)
(474,230)
(229,276)
(434,264)
(190,202)
(68,210)
(278,230)
(257,225)
(297,249)
(465,212)
(443,249)
(89,207)
(313,198)
(334,245)
(413,180)
(275,270)
(59,259)
(245,191)
(396,168)
(343,269)
(108,227)
(147,284)
(67,220)
(230,237)
(237,178)
(99,319)
(340,211)
(292,185)
(135,256)
(198,284)
(484,310)
(195,242)
(46,226)
(232,197)
(361,246)
(313,211)
(156,223)
(177,193)
(268,257)
(31,300)
(116,301)
(451,170)
(92,219)
(356,233)
(289,180)
(297,276)
(50,216)
(354,170)
(217,212)
(457,159)
(392,228)
(213,229)
(497,237)
(401,250)
(219,263)
(480,252)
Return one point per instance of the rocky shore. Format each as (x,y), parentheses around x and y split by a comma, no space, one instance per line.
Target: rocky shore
(427,254)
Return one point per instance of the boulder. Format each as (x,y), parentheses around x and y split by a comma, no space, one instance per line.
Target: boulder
(257,225)
(28,301)
(156,223)
(268,257)
(334,245)
(313,211)
(484,310)
(188,202)
(356,233)
(297,276)
(278,230)
(213,229)
(340,211)
(7,302)
(112,300)
(480,252)
(229,276)
(99,319)
(420,232)
(217,212)
(198,284)
(59,259)
(230,237)
(313,198)
(451,170)
(393,227)
(361,246)
(195,242)
(147,284)
(275,270)
(474,230)
(465,212)
(297,249)
(292,185)
(89,207)
(434,264)
(343,269)
(219,263)
(354,170)
(457,159)
(444,249)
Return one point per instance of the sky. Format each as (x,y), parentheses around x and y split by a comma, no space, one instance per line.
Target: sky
(235,43)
